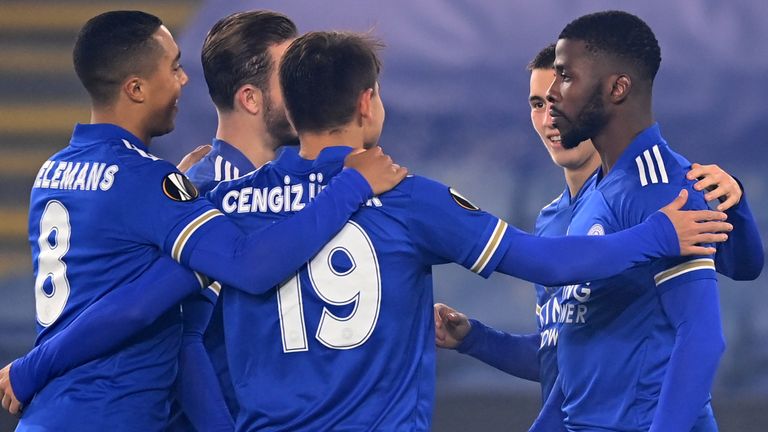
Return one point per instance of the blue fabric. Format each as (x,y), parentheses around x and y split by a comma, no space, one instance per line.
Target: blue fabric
(92,223)
(65,350)
(84,219)
(223,162)
(510,353)
(531,356)
(693,309)
(742,256)
(197,386)
(354,345)
(621,326)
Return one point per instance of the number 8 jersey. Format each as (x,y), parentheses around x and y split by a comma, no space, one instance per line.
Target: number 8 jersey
(348,343)
(102,210)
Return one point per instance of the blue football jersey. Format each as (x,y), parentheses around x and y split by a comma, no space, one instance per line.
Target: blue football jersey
(553,221)
(615,338)
(348,343)
(223,162)
(101,211)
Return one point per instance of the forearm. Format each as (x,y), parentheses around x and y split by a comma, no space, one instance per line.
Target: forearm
(134,306)
(693,310)
(261,260)
(513,354)
(742,256)
(198,389)
(555,261)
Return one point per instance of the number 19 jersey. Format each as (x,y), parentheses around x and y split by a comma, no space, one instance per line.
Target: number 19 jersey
(348,343)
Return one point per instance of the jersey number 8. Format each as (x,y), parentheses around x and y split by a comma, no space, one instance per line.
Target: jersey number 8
(359,283)
(54,244)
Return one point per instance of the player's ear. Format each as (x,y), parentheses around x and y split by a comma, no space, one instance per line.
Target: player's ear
(250,99)
(135,89)
(364,105)
(621,86)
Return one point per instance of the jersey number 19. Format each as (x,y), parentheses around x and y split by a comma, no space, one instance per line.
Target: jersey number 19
(360,284)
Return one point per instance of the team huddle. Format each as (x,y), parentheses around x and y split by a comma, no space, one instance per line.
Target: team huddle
(253,291)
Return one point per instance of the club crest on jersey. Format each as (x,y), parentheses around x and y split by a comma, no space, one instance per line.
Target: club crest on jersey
(461,201)
(596,230)
(177,187)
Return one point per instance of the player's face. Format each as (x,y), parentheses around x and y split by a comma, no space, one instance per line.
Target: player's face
(578,110)
(373,131)
(278,127)
(164,85)
(574,158)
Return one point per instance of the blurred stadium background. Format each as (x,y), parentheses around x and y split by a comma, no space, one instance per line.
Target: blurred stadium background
(455,89)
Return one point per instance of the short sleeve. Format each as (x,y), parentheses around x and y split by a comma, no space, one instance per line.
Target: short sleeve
(446,227)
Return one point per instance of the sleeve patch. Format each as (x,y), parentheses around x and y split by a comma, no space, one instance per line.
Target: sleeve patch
(686,267)
(177,187)
(461,201)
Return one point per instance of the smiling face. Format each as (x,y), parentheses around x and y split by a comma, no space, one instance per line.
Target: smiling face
(164,85)
(578,109)
(573,158)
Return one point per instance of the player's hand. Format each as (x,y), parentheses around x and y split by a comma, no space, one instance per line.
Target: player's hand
(10,403)
(451,326)
(193,157)
(377,168)
(719,184)
(695,227)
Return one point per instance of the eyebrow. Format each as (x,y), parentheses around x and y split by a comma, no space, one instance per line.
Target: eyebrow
(535,98)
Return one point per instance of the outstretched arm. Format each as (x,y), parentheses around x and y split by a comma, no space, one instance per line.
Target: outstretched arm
(513,354)
(252,262)
(133,306)
(669,232)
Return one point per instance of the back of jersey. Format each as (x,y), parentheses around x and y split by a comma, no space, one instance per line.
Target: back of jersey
(348,343)
(83,227)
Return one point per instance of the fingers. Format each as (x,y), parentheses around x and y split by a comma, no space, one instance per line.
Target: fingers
(15,407)
(695,172)
(678,202)
(731,201)
(709,238)
(454,318)
(710,181)
(706,215)
(714,227)
(6,401)
(697,250)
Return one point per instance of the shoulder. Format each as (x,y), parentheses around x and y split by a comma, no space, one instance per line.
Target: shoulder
(653,180)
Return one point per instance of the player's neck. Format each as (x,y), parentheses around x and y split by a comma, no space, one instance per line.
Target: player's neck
(576,177)
(617,135)
(111,115)
(312,143)
(250,137)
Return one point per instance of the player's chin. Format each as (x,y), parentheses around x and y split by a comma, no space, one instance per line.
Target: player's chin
(164,129)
